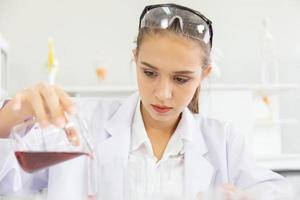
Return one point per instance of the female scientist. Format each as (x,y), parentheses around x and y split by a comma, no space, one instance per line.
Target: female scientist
(168,149)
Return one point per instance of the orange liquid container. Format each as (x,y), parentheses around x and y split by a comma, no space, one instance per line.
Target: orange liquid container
(101,73)
(34,161)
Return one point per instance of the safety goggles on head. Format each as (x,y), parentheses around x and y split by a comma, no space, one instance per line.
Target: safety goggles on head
(192,23)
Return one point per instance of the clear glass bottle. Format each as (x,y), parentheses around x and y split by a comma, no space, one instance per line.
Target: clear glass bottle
(269,60)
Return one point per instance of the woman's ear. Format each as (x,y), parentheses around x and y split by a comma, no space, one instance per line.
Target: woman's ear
(206,71)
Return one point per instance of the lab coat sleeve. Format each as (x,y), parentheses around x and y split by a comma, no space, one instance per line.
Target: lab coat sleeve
(245,173)
(13,180)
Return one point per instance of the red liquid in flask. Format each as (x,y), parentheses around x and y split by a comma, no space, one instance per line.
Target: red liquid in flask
(34,161)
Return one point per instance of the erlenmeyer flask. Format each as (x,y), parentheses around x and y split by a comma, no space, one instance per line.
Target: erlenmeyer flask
(44,147)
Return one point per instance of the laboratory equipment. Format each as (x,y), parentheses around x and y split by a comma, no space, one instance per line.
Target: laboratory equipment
(3,66)
(43,147)
(52,63)
(269,64)
(100,69)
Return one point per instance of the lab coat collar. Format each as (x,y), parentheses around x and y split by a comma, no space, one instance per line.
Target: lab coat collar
(139,137)
(123,116)
(118,128)
(139,134)
(187,124)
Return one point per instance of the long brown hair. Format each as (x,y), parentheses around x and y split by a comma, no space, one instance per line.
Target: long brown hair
(175,28)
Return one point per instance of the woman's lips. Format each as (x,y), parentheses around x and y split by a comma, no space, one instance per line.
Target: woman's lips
(161,109)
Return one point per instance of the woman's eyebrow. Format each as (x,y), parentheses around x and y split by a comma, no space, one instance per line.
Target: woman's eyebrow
(185,72)
(177,72)
(149,65)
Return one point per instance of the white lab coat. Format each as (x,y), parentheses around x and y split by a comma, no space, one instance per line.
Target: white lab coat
(215,155)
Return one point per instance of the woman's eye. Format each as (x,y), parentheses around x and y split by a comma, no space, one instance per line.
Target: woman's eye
(181,80)
(149,73)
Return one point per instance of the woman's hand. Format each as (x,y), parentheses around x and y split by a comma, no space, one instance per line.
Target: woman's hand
(233,193)
(226,192)
(47,103)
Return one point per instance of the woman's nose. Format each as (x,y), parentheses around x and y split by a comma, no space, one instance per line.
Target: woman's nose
(163,90)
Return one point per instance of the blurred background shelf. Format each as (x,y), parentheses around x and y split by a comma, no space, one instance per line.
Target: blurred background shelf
(281,163)
(123,90)
(276,122)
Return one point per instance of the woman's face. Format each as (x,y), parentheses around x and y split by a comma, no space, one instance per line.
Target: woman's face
(168,73)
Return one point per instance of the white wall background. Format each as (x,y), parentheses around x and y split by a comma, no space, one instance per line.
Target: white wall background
(83,31)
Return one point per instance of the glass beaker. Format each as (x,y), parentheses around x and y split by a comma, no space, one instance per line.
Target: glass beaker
(42,147)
